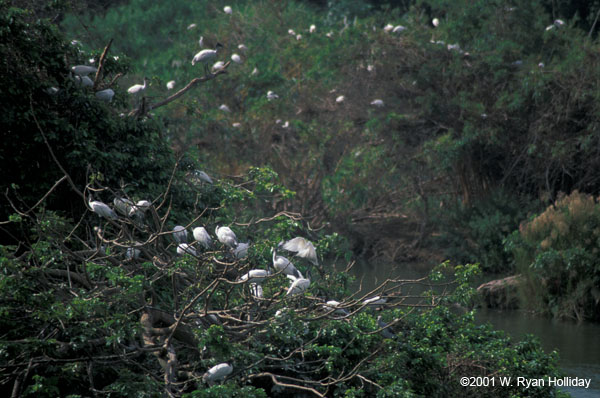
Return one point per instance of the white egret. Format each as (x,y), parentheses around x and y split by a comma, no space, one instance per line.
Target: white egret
(140,208)
(236,58)
(83,70)
(102,209)
(329,34)
(83,81)
(291,32)
(558,23)
(180,234)
(202,236)
(370,68)
(226,236)
(435,22)
(217,373)
(256,290)
(285,125)
(224,108)
(375,301)
(340,99)
(303,248)
(184,248)
(91,60)
(271,95)
(242,47)
(398,29)
(241,250)
(377,102)
(206,55)
(333,305)
(298,37)
(541,65)
(236,125)
(138,88)
(299,285)
(254,72)
(284,265)
(202,175)
(123,205)
(217,66)
(171,85)
(105,95)
(227,10)
(454,47)
(312,29)
(388,28)
(255,276)
(191,26)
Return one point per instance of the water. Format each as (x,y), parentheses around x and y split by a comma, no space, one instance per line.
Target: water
(578,345)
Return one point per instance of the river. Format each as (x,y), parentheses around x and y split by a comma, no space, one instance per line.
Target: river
(578,345)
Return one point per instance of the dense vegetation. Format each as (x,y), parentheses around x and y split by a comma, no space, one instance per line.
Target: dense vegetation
(468,141)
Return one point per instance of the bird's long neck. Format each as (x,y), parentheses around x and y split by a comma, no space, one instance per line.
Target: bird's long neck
(145,82)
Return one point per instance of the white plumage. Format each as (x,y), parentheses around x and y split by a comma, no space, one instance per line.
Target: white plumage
(202,175)
(284,265)
(140,208)
(377,102)
(255,276)
(226,236)
(217,373)
(303,248)
(224,108)
(217,66)
(236,58)
(138,88)
(171,85)
(312,29)
(105,95)
(241,250)
(180,234)
(373,301)
(184,248)
(398,29)
(123,205)
(333,305)
(271,95)
(227,10)
(435,22)
(340,99)
(102,209)
(299,285)
(388,28)
(206,55)
(202,236)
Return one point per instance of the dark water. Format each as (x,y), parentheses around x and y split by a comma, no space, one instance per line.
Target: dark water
(578,345)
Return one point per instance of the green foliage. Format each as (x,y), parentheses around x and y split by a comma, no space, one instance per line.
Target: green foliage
(556,251)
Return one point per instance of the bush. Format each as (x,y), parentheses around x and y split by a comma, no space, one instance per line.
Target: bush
(557,252)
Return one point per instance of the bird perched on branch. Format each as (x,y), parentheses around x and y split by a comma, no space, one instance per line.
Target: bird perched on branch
(284,265)
(202,236)
(217,373)
(206,55)
(105,95)
(83,70)
(299,285)
(138,88)
(255,276)
(123,205)
(184,248)
(102,209)
(226,236)
(180,234)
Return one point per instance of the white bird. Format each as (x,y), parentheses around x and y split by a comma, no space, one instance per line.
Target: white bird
(171,85)
(329,34)
(541,65)
(180,234)
(83,81)
(236,125)
(558,23)
(340,99)
(254,72)
(226,236)
(206,55)
(242,47)
(370,68)
(454,47)
(184,248)
(102,209)
(236,58)
(286,124)
(191,26)
(202,236)
(299,285)
(332,305)
(52,90)
(241,250)
(83,70)
(138,88)
(217,373)
(388,27)
(256,290)
(377,102)
(105,95)
(132,253)
(123,205)
(224,108)
(284,265)
(227,10)
(399,29)
(201,41)
(291,32)
(435,22)
(298,37)
(303,248)
(255,276)
(312,29)
(271,95)
(202,175)
(217,66)
(140,208)
(374,301)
